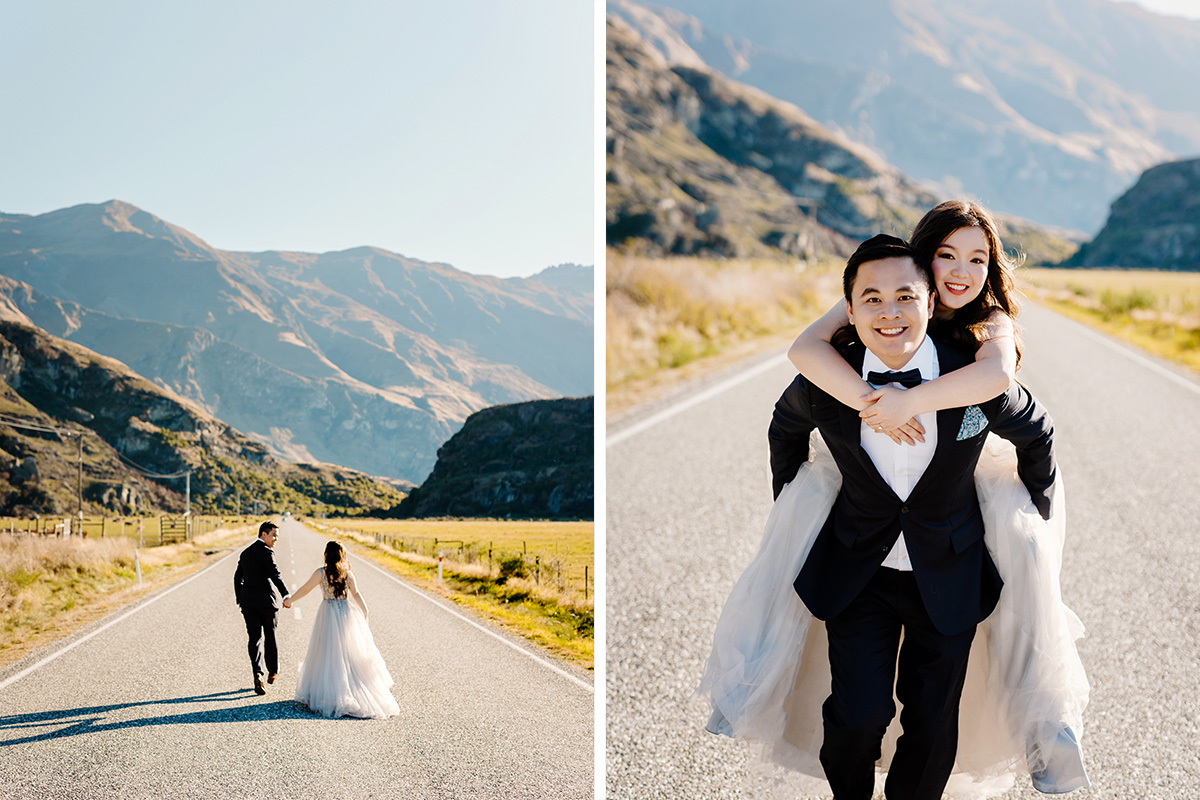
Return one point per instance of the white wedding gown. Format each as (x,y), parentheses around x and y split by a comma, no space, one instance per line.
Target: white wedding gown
(1022,705)
(343,674)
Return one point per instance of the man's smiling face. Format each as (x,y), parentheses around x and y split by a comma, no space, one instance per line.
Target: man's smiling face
(890,306)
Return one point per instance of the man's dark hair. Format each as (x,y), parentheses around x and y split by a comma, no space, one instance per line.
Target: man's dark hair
(877,248)
(267,527)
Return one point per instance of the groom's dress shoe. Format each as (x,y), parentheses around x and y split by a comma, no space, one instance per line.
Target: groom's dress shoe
(258,687)
(271,678)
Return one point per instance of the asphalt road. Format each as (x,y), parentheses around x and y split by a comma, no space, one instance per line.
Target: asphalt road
(158,704)
(687,496)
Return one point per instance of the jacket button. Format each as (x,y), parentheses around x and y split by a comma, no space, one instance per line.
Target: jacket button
(903,509)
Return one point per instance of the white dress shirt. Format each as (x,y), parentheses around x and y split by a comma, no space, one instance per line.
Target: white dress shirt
(902,465)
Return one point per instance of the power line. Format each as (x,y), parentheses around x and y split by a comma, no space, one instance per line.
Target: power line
(145,472)
(43,428)
(17,423)
(60,432)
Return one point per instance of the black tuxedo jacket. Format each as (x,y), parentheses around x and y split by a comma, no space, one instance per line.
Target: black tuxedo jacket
(940,519)
(256,576)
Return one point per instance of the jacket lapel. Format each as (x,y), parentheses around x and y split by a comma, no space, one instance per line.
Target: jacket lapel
(851,432)
(949,420)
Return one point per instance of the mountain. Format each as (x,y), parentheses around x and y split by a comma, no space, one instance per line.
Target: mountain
(701,164)
(698,163)
(1043,109)
(360,357)
(529,460)
(60,401)
(574,277)
(1155,225)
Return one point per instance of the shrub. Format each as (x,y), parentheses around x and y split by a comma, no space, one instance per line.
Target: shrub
(511,567)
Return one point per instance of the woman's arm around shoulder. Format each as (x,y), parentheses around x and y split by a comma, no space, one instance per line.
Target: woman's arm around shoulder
(994,369)
(816,359)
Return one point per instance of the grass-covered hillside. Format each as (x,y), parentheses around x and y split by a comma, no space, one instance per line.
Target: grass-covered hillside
(62,405)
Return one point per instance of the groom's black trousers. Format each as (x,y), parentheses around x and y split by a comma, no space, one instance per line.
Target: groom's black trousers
(260,627)
(863,642)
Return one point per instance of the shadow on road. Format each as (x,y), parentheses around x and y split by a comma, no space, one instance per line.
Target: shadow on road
(91,719)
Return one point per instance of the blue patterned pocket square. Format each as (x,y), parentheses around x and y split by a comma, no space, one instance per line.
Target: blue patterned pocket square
(973,423)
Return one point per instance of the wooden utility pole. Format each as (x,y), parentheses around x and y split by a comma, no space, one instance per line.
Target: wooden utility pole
(79,480)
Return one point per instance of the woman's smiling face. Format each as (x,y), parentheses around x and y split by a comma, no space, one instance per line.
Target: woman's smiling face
(960,267)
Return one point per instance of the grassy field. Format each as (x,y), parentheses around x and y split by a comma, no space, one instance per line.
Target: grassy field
(1156,311)
(51,587)
(147,531)
(664,313)
(536,578)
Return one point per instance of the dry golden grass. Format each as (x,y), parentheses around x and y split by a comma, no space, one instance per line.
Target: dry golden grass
(664,313)
(553,611)
(51,587)
(571,544)
(1157,311)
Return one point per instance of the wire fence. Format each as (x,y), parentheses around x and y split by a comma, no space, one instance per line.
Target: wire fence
(148,531)
(497,564)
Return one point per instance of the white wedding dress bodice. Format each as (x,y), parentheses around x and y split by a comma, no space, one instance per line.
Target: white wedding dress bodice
(343,674)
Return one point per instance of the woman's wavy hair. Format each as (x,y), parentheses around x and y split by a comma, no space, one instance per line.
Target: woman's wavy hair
(966,326)
(336,568)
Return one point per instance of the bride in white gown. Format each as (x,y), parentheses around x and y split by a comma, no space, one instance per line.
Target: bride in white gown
(1026,689)
(343,674)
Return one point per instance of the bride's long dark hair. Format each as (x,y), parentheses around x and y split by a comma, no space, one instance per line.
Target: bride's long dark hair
(967,325)
(336,568)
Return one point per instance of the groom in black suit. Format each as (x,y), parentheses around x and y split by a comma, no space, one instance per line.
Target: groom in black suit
(254,584)
(902,549)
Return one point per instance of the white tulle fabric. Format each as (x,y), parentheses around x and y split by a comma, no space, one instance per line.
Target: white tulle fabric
(343,674)
(768,672)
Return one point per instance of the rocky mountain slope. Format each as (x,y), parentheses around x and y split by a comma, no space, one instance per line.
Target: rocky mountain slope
(1043,109)
(700,164)
(530,460)
(1155,225)
(59,400)
(360,357)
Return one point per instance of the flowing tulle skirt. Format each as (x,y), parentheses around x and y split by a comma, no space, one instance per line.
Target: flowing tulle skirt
(343,674)
(1025,691)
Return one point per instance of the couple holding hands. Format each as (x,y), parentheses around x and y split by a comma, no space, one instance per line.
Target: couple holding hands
(343,674)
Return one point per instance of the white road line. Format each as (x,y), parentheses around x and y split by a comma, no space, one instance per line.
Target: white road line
(1138,358)
(13,679)
(770,363)
(475,624)
(694,400)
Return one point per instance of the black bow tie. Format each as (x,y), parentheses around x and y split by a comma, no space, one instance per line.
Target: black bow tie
(908,379)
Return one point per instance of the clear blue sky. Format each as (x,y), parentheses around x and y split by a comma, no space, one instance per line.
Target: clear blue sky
(456,131)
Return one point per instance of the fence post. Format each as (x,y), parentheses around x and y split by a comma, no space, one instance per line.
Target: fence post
(439,568)
(537,570)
